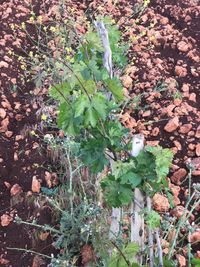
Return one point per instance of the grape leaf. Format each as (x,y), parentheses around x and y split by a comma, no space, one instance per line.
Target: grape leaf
(80,105)
(60,91)
(92,154)
(90,86)
(163,160)
(153,219)
(91,117)
(134,179)
(99,104)
(115,193)
(115,87)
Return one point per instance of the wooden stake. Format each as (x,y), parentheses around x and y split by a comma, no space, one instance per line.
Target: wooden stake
(137,220)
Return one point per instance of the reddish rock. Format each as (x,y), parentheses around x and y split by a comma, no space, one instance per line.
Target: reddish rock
(198,254)
(178,212)
(182,46)
(180,71)
(6,104)
(2,113)
(155,131)
(197,134)
(177,102)
(15,189)
(147,113)
(51,179)
(196,173)
(15,156)
(36,185)
(185,128)
(172,125)
(4,125)
(185,87)
(3,64)
(187,18)
(177,144)
(191,146)
(181,260)
(160,203)
(195,237)
(178,176)
(6,220)
(8,134)
(152,143)
(164,20)
(192,97)
(19,137)
(4,261)
(196,162)
(127,81)
(169,110)
(175,191)
(198,149)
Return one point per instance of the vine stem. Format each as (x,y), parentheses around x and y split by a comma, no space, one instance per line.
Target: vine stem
(70,182)
(46,228)
(121,253)
(30,251)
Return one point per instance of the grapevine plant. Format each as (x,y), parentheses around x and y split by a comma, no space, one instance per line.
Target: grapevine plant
(91,119)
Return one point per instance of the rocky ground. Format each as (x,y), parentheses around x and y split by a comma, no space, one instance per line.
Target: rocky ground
(163,70)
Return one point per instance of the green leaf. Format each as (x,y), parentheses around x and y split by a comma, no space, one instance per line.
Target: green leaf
(90,86)
(115,193)
(93,155)
(130,251)
(145,165)
(80,105)
(120,168)
(163,160)
(60,91)
(91,117)
(166,262)
(66,120)
(100,105)
(134,179)
(115,87)
(153,219)
(195,262)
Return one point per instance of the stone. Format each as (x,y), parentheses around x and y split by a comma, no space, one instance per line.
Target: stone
(172,125)
(160,203)
(15,189)
(6,220)
(181,260)
(2,113)
(178,176)
(185,87)
(36,185)
(127,81)
(182,46)
(185,128)
(175,191)
(195,237)
(198,150)
(180,71)
(178,212)
(197,134)
(192,97)
(164,20)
